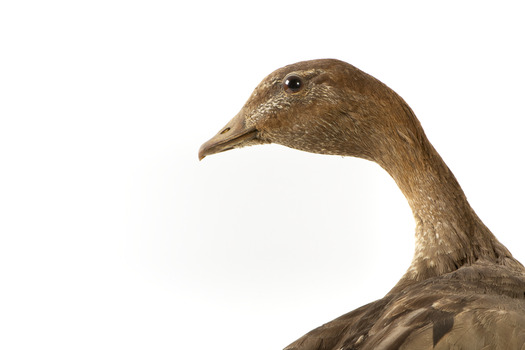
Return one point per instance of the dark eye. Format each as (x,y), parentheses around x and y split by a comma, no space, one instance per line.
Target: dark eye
(292,84)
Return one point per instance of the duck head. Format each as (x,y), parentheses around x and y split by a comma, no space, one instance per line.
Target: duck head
(321,106)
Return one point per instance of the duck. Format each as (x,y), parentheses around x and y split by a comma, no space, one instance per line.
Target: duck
(463,288)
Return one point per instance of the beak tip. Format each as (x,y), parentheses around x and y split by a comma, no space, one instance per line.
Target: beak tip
(202,153)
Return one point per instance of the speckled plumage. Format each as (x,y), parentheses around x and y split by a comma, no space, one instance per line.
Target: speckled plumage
(463,289)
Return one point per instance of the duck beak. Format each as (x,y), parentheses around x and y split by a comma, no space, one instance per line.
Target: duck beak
(234,135)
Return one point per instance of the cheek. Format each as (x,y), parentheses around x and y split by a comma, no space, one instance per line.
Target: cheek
(308,136)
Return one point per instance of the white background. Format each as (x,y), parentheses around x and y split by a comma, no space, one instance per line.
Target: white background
(114,236)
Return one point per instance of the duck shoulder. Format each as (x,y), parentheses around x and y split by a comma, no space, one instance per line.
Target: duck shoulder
(481,306)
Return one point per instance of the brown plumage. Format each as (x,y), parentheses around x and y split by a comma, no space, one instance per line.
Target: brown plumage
(463,289)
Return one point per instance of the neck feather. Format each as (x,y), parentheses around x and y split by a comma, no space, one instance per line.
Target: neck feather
(449,234)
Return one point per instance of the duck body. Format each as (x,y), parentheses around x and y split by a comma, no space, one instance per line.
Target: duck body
(463,289)
(474,307)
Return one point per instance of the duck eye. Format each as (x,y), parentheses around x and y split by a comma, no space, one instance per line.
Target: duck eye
(292,84)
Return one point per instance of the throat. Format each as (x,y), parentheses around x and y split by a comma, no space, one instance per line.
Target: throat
(449,234)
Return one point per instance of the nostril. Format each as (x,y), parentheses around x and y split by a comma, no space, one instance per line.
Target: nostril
(225,131)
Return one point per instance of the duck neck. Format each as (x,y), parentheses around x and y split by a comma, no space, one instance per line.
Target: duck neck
(449,234)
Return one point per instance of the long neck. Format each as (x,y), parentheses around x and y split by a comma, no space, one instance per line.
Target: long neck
(449,234)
